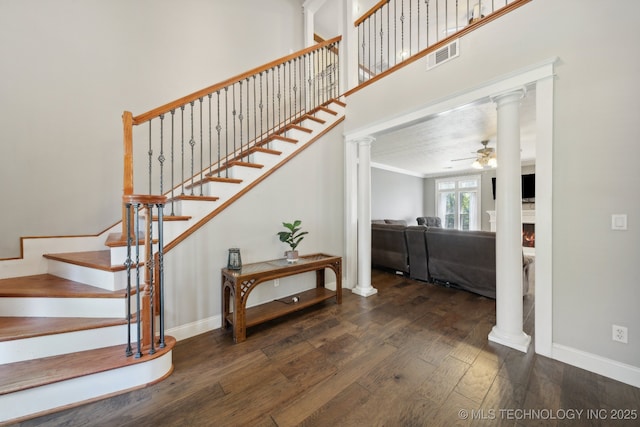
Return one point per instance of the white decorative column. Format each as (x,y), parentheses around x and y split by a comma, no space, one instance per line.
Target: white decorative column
(364,287)
(508,329)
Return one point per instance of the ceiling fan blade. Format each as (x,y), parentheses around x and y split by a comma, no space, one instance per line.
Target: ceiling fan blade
(466,158)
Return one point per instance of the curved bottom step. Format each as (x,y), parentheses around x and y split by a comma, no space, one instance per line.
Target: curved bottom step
(36,387)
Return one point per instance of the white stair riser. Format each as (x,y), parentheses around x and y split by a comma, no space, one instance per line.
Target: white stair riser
(313,125)
(245,173)
(90,387)
(193,207)
(300,135)
(119,253)
(266,159)
(64,343)
(63,307)
(109,280)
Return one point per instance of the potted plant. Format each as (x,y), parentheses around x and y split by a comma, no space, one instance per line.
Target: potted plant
(292,237)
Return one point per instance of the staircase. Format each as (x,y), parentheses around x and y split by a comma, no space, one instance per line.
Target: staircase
(63,329)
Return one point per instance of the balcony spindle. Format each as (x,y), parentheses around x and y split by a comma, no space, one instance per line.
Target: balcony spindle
(201,145)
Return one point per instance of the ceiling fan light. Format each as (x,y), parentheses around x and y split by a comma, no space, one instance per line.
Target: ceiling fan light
(493,162)
(476,164)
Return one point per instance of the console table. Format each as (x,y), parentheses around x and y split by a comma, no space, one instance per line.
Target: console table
(238,284)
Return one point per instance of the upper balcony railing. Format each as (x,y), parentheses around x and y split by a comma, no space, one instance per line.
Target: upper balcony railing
(394,32)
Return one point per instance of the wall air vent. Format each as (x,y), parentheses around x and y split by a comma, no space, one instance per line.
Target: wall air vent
(443,54)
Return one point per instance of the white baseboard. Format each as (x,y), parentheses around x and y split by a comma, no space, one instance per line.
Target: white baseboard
(600,365)
(189,330)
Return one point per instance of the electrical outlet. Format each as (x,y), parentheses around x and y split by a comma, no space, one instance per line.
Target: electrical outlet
(276,283)
(619,333)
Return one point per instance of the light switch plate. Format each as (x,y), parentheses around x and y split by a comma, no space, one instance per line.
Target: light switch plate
(619,221)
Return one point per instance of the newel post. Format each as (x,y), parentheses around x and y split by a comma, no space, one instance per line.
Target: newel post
(127,182)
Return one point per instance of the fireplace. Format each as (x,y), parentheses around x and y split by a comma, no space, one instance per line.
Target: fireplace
(528,235)
(528,229)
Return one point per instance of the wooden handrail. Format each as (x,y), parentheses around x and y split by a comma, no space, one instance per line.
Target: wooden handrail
(371,11)
(142,118)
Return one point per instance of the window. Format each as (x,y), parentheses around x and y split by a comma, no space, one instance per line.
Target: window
(458,202)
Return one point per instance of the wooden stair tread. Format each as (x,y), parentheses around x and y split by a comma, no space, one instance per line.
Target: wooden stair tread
(100,260)
(327,110)
(314,118)
(115,240)
(14,328)
(264,150)
(279,138)
(196,198)
(298,127)
(172,218)
(48,370)
(245,164)
(50,286)
(229,165)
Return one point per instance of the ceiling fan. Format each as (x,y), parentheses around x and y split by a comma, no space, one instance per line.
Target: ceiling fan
(485,157)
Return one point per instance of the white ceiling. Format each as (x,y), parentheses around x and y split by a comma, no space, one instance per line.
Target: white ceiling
(434,146)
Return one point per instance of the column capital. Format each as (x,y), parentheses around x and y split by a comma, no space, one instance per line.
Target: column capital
(511,95)
(362,141)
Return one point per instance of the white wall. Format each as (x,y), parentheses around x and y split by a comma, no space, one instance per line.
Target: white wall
(396,196)
(193,277)
(70,68)
(594,154)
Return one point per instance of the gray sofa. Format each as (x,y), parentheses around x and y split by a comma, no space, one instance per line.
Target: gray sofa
(462,259)
(389,246)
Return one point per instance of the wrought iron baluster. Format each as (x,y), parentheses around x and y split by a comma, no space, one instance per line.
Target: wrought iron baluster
(234,124)
(382,68)
(310,83)
(437,23)
(240,118)
(338,93)
(138,306)
(161,272)
(226,129)
(255,112)
(248,120)
(395,32)
(388,36)
(161,157)
(418,23)
(150,273)
(173,182)
(402,52)
(127,264)
(316,80)
(279,96)
(150,157)
(289,86)
(295,88)
(426,4)
(201,149)
(210,136)
(410,26)
(218,129)
(261,105)
(375,39)
(266,95)
(182,147)
(192,143)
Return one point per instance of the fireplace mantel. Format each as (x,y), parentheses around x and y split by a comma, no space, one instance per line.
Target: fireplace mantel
(528,217)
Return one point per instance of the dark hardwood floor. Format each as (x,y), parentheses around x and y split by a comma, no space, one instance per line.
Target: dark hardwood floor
(414,354)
